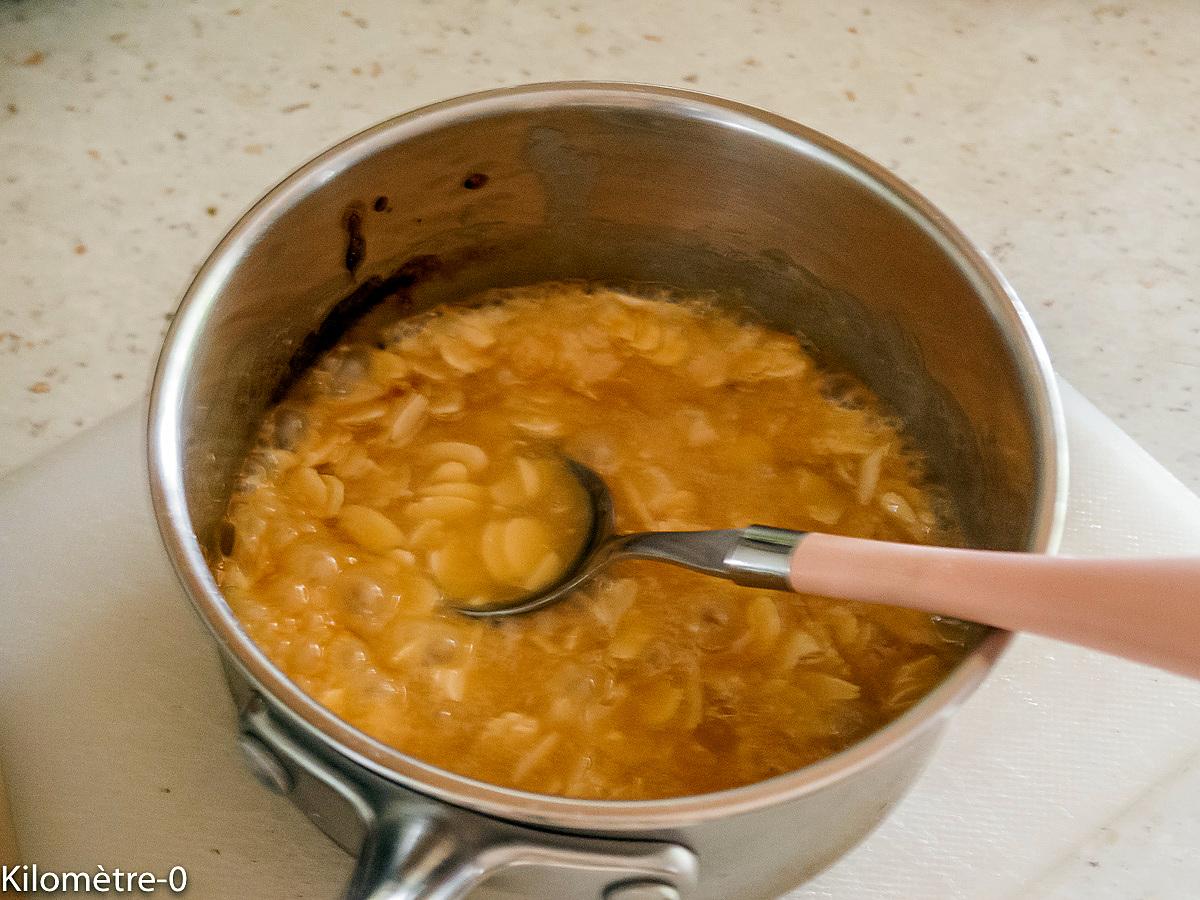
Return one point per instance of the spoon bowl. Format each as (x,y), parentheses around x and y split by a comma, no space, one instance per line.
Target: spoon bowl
(597,551)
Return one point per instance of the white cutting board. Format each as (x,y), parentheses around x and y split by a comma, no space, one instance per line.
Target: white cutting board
(1070,774)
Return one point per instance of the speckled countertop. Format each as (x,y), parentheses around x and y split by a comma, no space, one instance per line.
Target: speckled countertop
(1064,137)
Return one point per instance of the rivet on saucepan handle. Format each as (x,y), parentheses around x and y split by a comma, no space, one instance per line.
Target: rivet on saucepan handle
(264,765)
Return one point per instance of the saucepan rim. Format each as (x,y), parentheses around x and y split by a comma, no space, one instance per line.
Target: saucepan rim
(166,455)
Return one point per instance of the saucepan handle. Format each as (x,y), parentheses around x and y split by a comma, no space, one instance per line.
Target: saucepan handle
(413,855)
(417,848)
(442,854)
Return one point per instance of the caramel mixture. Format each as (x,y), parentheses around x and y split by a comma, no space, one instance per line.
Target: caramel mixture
(420,463)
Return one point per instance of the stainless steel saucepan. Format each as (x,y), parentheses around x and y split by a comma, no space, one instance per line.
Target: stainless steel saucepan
(632,186)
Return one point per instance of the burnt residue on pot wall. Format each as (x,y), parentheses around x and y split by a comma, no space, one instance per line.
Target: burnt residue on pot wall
(395,289)
(356,243)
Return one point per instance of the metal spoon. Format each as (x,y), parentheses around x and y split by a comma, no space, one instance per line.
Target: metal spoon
(712,552)
(1143,609)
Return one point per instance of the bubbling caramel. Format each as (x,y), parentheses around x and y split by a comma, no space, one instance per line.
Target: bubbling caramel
(421,462)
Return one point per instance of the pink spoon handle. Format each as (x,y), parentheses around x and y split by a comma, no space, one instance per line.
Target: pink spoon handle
(1146,610)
